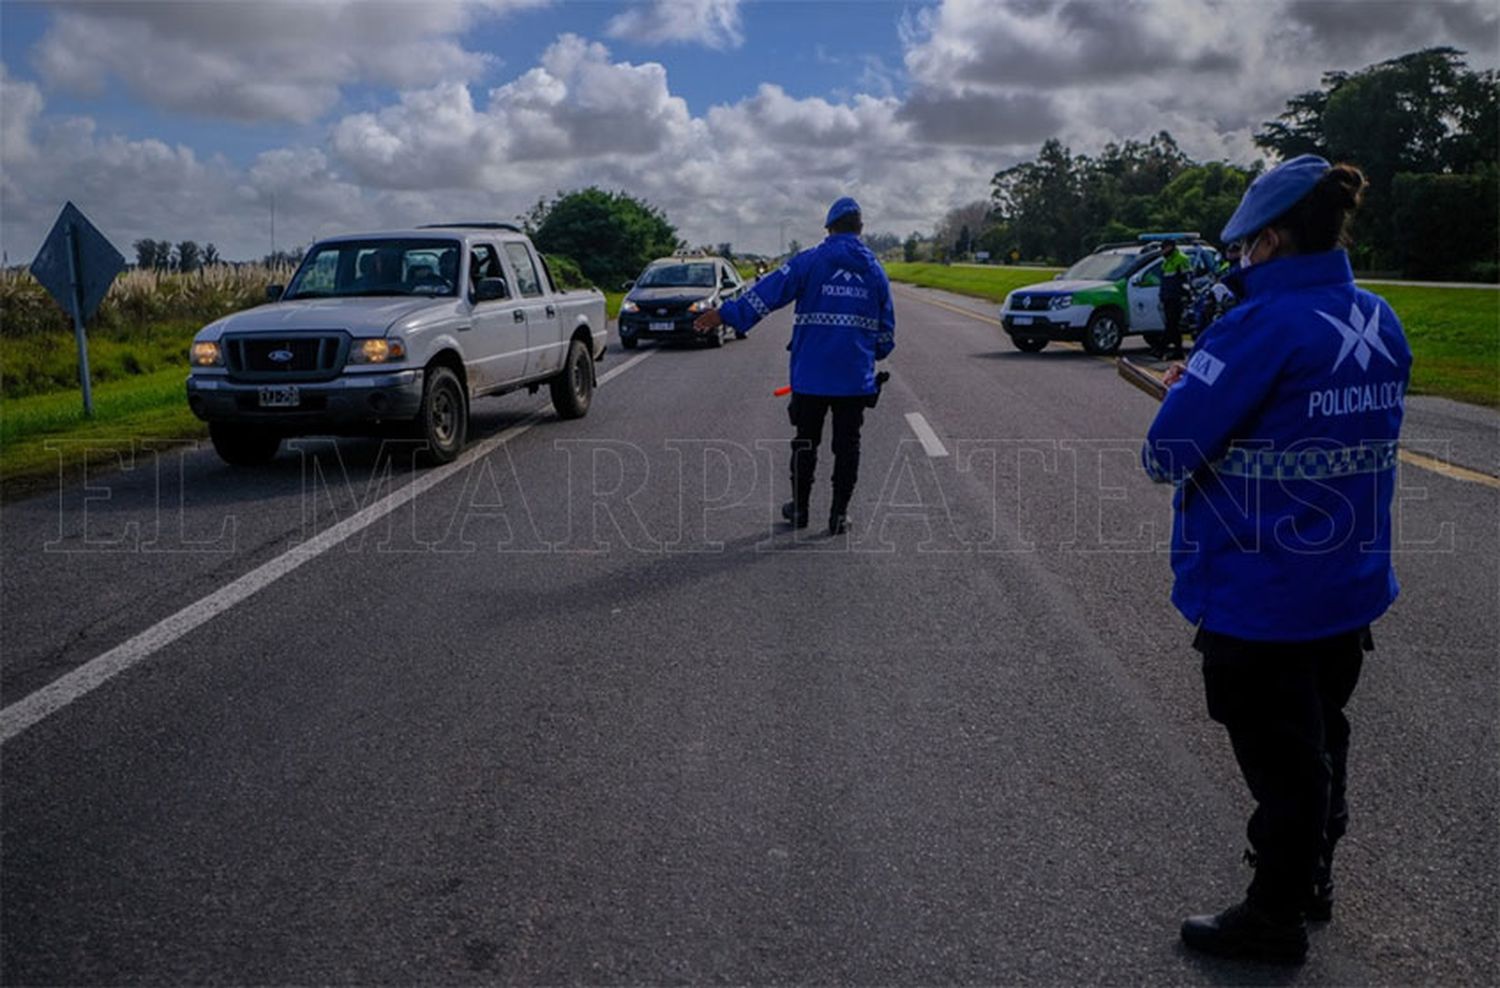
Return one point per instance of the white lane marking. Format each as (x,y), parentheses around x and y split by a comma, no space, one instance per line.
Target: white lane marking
(92,674)
(929,439)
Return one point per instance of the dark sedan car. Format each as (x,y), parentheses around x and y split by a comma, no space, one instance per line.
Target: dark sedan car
(664,301)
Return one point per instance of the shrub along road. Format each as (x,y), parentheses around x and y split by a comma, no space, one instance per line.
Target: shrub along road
(582,711)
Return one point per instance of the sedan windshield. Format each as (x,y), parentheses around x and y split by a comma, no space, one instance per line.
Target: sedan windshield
(377,267)
(1102,267)
(678,276)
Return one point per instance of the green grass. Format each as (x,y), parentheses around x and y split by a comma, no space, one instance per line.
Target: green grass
(147,407)
(1455,340)
(987,283)
(1454,332)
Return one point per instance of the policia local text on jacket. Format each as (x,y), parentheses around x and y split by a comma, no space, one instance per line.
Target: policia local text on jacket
(1281,437)
(845,321)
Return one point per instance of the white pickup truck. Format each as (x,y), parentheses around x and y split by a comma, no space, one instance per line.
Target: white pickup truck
(395,330)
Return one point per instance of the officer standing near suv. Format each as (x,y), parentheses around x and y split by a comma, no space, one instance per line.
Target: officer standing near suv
(845,322)
(1281,436)
(1176,268)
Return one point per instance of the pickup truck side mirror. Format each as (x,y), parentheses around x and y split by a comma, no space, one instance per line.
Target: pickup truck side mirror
(627,286)
(273,292)
(491,290)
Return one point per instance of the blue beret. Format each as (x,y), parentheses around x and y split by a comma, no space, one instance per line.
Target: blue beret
(1272,194)
(841,207)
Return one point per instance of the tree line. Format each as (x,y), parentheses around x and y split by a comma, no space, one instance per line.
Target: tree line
(185,256)
(1424,128)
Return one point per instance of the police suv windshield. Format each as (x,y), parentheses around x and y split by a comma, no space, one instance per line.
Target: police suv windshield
(378,267)
(1108,266)
(678,276)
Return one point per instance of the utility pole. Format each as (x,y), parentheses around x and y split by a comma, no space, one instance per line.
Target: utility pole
(273,226)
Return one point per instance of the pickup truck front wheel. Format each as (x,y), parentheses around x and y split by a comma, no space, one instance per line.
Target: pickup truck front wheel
(243,445)
(573,387)
(444,420)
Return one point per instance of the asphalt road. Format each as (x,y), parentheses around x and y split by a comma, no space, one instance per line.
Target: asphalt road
(581,710)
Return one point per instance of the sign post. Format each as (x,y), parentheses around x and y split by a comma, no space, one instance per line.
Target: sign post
(77,265)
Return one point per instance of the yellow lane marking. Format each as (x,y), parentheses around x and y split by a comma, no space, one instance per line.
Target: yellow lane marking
(1450,470)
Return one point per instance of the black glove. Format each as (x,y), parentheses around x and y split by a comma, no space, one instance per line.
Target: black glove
(880,380)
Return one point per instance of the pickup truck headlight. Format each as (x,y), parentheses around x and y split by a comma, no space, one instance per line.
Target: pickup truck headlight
(1060,302)
(207,355)
(376,351)
(629,307)
(702,305)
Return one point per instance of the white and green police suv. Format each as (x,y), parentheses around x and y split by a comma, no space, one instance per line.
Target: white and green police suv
(1111,293)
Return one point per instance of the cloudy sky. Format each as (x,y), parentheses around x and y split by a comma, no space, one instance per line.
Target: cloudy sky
(183,120)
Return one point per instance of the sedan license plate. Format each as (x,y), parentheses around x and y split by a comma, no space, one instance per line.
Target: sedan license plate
(1021,320)
(285,396)
(663,327)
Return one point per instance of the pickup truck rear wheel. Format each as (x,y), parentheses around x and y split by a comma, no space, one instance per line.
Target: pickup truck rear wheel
(573,387)
(443,422)
(243,445)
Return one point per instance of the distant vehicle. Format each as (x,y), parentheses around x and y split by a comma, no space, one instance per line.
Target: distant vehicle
(1111,293)
(663,302)
(395,331)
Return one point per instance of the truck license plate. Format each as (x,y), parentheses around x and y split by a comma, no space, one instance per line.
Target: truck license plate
(1021,320)
(663,327)
(285,396)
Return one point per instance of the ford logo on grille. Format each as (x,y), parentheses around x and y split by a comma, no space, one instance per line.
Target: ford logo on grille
(661,312)
(280,356)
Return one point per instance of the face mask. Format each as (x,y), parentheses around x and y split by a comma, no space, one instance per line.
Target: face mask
(1246,251)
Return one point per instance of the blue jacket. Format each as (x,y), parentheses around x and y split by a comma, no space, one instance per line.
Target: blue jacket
(1282,441)
(845,317)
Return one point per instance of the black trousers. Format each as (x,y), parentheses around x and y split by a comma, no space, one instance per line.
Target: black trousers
(1283,705)
(1171,307)
(808,413)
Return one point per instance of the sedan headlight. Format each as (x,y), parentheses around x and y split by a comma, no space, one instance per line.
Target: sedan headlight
(376,351)
(1060,302)
(628,306)
(207,354)
(702,305)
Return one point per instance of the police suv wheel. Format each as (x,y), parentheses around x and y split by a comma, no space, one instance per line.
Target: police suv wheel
(716,338)
(1105,329)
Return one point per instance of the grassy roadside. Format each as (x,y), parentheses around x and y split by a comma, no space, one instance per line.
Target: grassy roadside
(1454,332)
(148,408)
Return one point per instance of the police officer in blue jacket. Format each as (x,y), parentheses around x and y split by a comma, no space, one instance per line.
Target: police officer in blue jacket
(1280,435)
(845,322)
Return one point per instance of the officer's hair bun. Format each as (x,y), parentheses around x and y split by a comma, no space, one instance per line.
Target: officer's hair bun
(1344,185)
(1320,220)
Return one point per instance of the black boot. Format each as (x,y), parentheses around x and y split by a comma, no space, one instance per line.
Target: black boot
(1319,905)
(838,514)
(1320,899)
(1246,931)
(792,513)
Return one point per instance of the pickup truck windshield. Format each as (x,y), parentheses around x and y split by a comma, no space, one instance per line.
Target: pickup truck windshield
(678,276)
(1102,267)
(377,267)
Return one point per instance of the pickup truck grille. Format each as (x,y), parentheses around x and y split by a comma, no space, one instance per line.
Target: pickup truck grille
(285,358)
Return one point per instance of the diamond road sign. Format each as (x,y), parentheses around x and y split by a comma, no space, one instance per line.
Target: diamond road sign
(94,263)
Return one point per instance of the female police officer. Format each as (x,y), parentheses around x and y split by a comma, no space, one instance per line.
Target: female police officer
(1280,434)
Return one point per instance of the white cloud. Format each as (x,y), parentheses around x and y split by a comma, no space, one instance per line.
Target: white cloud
(266,60)
(714,23)
(751,171)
